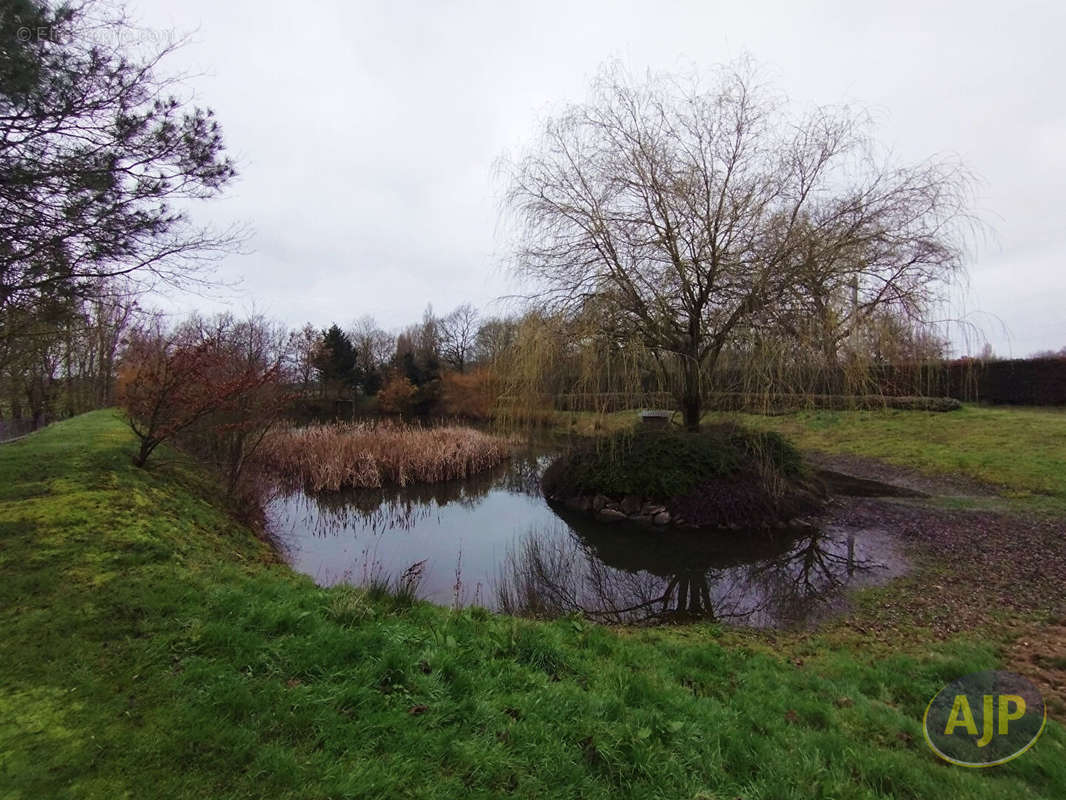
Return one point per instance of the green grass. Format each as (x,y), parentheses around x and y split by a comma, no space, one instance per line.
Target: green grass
(1022,450)
(153,648)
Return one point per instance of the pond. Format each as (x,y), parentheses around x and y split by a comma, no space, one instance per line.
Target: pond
(494,541)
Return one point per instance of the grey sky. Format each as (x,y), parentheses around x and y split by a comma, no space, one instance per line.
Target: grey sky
(366,132)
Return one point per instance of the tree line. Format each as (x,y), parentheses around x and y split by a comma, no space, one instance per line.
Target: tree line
(426,367)
(674,235)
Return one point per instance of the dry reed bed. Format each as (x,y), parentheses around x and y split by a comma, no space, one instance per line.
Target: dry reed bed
(370,455)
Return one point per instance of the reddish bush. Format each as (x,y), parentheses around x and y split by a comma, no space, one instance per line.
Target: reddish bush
(471,394)
(397,394)
(215,390)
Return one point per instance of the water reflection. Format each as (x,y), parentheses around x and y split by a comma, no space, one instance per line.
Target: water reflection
(493,540)
(742,577)
(394,507)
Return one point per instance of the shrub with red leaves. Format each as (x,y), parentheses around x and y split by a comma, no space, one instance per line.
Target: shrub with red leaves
(217,387)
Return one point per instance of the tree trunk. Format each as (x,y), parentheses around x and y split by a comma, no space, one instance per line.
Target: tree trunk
(690,409)
(145,450)
(690,397)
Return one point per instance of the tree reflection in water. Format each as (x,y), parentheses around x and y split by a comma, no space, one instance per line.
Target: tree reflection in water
(638,576)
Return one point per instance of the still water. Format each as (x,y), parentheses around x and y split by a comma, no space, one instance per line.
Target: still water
(493,541)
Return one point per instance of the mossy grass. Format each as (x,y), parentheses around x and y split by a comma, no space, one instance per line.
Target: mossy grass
(1022,450)
(669,462)
(153,647)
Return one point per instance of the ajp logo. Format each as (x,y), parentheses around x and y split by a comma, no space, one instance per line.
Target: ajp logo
(984,719)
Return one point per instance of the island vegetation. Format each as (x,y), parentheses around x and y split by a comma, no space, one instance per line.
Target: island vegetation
(722,477)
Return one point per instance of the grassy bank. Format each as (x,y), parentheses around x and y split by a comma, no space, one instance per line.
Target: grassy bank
(152,648)
(1022,450)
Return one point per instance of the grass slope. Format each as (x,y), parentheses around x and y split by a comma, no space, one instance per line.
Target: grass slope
(152,648)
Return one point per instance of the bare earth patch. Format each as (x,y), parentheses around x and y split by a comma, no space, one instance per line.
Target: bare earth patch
(1040,655)
(977,564)
(1001,572)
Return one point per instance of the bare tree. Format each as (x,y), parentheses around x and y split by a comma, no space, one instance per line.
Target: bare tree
(458,334)
(373,344)
(108,316)
(250,355)
(891,337)
(695,213)
(304,349)
(495,336)
(220,372)
(58,358)
(417,349)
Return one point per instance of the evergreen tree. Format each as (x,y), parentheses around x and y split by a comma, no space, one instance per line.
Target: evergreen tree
(336,362)
(99,159)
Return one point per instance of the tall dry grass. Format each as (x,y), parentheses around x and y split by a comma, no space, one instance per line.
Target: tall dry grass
(370,455)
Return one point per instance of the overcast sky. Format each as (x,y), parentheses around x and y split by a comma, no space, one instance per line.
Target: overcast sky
(366,133)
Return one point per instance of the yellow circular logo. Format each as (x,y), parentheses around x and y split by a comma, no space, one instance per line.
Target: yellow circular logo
(984,719)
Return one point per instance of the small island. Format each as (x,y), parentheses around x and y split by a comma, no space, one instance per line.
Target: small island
(722,477)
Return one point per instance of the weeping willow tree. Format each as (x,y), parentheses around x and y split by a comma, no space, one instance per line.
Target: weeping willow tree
(671,224)
(577,361)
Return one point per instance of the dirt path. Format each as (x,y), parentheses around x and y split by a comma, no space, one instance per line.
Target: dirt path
(906,477)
